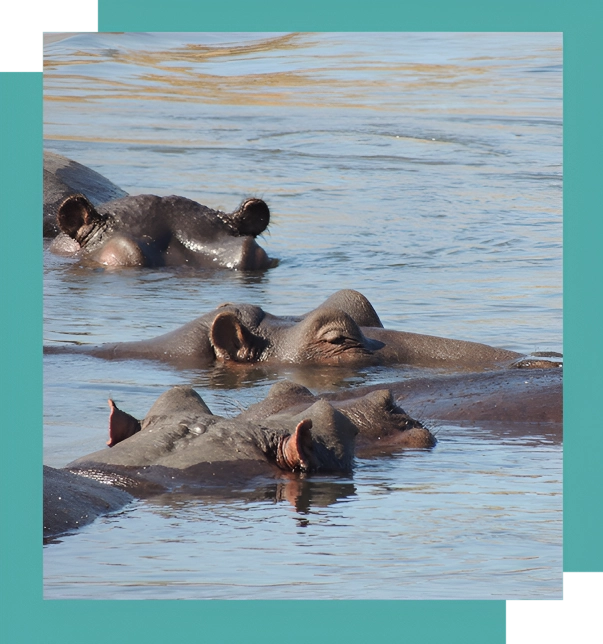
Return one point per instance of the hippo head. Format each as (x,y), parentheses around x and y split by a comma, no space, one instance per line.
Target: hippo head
(146,230)
(382,425)
(324,336)
(94,234)
(180,433)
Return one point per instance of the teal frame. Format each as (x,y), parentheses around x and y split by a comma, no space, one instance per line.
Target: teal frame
(24,615)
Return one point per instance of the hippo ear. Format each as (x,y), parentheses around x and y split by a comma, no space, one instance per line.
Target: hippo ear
(295,452)
(253,217)
(121,425)
(76,211)
(233,341)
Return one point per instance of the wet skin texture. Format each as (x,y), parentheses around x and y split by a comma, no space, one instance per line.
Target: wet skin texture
(145,230)
(525,398)
(71,501)
(344,330)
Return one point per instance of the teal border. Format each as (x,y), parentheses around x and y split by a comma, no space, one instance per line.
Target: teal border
(24,616)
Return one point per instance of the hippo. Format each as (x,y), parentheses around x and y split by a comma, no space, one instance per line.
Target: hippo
(180,445)
(522,401)
(344,330)
(291,430)
(146,230)
(148,457)
(382,425)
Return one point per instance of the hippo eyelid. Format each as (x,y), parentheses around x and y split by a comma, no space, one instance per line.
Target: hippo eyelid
(338,338)
(334,336)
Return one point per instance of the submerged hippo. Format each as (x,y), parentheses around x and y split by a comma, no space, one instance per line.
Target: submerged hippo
(181,445)
(72,501)
(291,430)
(344,330)
(519,401)
(146,230)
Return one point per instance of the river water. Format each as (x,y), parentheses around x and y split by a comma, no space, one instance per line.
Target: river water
(424,170)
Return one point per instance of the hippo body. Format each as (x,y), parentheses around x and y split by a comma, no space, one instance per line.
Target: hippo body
(71,501)
(146,230)
(526,400)
(180,446)
(344,330)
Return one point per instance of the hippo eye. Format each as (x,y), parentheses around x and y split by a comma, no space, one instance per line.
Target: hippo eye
(334,337)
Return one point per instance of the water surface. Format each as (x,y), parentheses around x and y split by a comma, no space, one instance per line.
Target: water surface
(423,170)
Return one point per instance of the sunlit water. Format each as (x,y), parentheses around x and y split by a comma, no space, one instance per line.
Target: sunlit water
(423,170)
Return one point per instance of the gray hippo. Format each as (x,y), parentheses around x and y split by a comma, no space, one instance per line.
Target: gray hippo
(181,445)
(374,414)
(145,230)
(520,401)
(344,330)
(290,430)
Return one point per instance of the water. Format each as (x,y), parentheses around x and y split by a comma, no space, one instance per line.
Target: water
(423,170)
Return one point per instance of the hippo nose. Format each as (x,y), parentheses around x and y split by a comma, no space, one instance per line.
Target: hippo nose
(254,257)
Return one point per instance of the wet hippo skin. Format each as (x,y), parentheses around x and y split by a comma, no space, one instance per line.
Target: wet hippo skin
(96,221)
(71,501)
(516,396)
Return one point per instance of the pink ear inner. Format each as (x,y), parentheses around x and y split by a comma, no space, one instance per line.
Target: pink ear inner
(295,451)
(121,425)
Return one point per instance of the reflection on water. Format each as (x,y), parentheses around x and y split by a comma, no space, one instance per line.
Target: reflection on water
(423,170)
(302,494)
